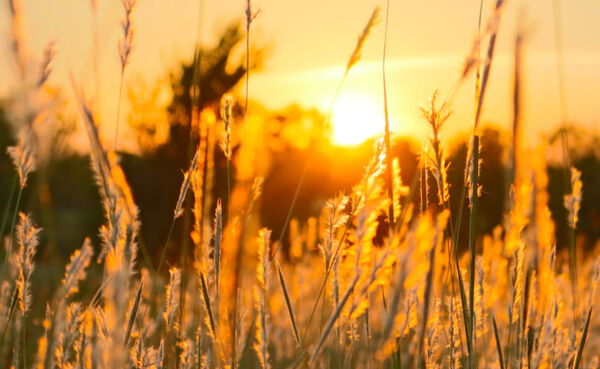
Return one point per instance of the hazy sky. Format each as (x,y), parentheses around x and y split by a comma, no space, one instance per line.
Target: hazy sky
(309,43)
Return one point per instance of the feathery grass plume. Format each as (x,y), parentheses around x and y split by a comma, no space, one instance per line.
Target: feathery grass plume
(260,297)
(45,67)
(67,336)
(356,54)
(126,42)
(336,218)
(75,271)
(172,302)
(227,116)
(436,116)
(572,203)
(125,47)
(573,200)
(111,178)
(27,239)
(217,249)
(197,182)
(187,178)
(23,157)
(171,314)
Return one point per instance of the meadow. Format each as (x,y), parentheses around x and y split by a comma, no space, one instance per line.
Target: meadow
(379,278)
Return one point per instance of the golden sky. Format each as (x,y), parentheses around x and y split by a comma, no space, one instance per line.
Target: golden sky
(309,43)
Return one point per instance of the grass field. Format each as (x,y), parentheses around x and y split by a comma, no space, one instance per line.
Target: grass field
(378,279)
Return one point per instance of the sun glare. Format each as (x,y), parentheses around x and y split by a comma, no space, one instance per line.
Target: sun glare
(356,118)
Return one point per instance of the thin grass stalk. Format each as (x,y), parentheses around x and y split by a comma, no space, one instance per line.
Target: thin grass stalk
(262,272)
(325,279)
(498,344)
(388,150)
(560,69)
(516,109)
(473,231)
(525,313)
(11,310)
(120,97)
(16,346)
(572,203)
(427,297)
(333,319)
(236,281)
(573,272)
(164,249)
(24,334)
(289,305)
(217,251)
(486,69)
(354,57)
(125,47)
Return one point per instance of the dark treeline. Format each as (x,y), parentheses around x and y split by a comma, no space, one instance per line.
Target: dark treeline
(63,197)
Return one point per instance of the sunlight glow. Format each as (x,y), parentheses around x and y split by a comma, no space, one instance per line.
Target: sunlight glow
(356,118)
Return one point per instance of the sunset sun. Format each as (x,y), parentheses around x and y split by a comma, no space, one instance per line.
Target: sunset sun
(356,118)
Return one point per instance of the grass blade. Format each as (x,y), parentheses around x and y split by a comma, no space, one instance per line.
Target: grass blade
(473,228)
(583,338)
(333,319)
(207,304)
(134,310)
(289,305)
(498,345)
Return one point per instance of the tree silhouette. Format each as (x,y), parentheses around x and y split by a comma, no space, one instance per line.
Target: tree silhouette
(156,176)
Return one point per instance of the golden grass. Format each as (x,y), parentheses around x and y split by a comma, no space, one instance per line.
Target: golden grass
(403,304)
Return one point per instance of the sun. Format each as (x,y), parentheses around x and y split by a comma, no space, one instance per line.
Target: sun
(356,118)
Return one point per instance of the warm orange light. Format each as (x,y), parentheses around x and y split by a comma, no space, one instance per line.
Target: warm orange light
(356,118)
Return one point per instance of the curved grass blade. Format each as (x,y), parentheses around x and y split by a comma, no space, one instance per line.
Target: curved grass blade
(583,338)
(289,305)
(134,310)
(498,345)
